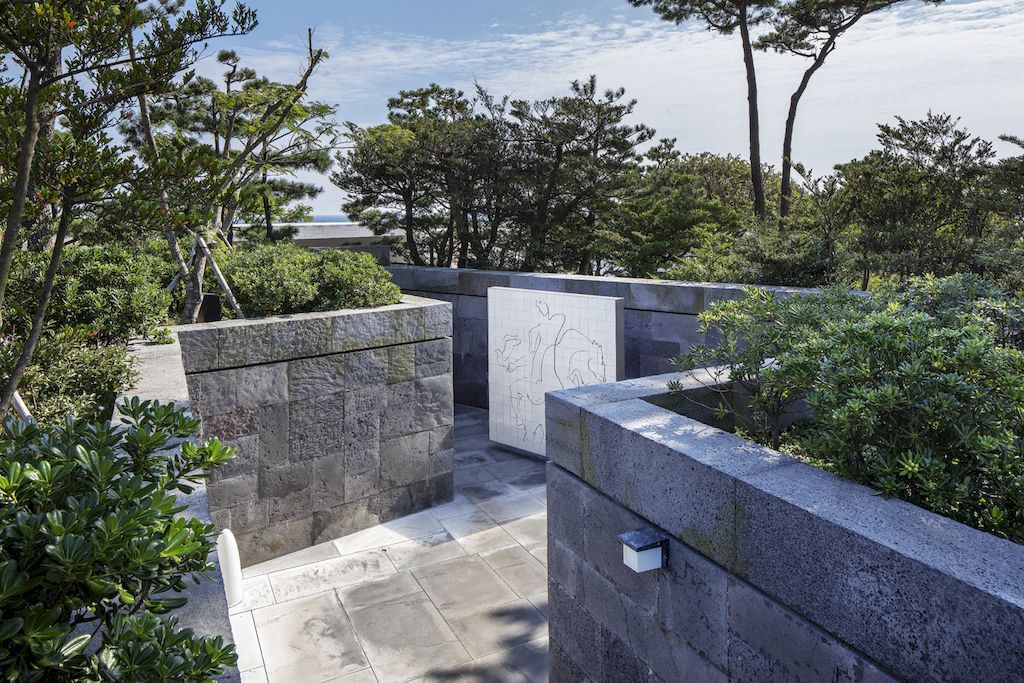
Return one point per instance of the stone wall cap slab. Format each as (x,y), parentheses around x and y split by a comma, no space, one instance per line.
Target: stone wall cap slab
(973,557)
(641,387)
(669,296)
(257,341)
(408,301)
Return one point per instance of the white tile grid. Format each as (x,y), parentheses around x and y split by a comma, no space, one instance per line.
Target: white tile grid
(515,312)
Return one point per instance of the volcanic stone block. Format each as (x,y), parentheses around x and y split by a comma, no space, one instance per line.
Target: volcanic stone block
(433,358)
(434,396)
(401,363)
(280,481)
(360,484)
(273,434)
(365,368)
(329,479)
(693,604)
(316,426)
(776,570)
(247,455)
(200,349)
(213,393)
(404,459)
(441,462)
(261,385)
(365,400)
(315,377)
(767,638)
(276,539)
(232,491)
(442,438)
(237,424)
(361,431)
(567,508)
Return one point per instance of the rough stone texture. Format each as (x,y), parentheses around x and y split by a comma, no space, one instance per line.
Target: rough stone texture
(660,316)
(778,570)
(162,378)
(342,420)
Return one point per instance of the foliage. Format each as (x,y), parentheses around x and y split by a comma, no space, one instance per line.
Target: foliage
(222,119)
(665,211)
(70,376)
(489,182)
(82,65)
(110,291)
(281,277)
(920,199)
(94,552)
(930,414)
(918,392)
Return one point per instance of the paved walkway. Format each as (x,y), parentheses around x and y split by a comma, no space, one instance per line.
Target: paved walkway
(455,593)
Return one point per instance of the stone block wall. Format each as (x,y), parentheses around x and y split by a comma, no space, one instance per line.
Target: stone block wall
(777,570)
(660,315)
(341,420)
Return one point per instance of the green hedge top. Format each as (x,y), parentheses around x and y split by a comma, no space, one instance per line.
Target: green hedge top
(279,278)
(917,392)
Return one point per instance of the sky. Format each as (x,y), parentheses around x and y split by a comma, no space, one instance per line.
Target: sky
(963,57)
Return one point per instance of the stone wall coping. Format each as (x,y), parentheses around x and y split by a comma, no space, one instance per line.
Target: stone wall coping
(258,341)
(408,301)
(162,378)
(906,586)
(669,296)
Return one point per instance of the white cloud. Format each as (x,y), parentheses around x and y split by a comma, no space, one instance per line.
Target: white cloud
(963,58)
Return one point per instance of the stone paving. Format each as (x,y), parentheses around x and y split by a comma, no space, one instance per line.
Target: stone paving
(454,593)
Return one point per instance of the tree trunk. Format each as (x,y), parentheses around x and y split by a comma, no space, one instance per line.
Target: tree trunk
(220,276)
(268,218)
(410,239)
(35,333)
(23,174)
(753,119)
(194,290)
(787,140)
(40,231)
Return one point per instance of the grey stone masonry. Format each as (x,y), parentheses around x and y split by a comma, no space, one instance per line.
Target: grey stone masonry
(777,570)
(341,420)
(162,378)
(660,315)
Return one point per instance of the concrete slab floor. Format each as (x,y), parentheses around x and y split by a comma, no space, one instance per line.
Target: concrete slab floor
(454,593)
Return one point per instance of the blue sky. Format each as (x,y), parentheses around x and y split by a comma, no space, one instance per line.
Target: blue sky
(964,57)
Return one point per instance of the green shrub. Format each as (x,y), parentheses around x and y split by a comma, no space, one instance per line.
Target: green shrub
(930,414)
(916,392)
(70,376)
(965,299)
(94,554)
(112,292)
(282,277)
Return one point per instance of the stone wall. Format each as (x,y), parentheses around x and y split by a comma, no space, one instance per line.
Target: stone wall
(777,570)
(162,378)
(342,420)
(660,315)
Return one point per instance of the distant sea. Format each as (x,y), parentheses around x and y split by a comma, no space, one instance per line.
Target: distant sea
(331,218)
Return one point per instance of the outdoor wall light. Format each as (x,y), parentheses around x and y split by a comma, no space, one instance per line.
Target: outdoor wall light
(644,549)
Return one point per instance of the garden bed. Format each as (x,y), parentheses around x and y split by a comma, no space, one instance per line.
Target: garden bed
(777,568)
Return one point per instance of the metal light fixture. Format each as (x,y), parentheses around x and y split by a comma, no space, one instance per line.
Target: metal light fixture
(645,549)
